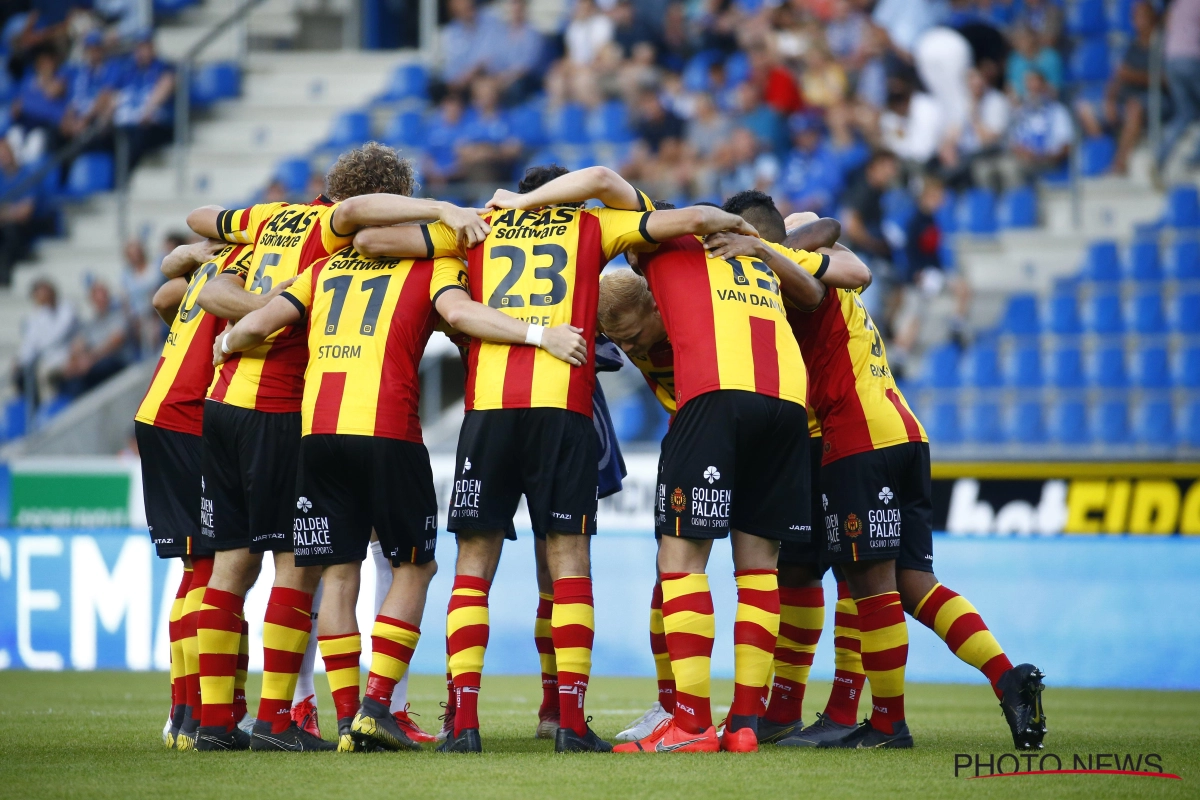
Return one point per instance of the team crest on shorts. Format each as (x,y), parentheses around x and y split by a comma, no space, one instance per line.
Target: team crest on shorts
(678,503)
(853,525)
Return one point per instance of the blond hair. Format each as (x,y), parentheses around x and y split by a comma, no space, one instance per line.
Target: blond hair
(369,169)
(622,291)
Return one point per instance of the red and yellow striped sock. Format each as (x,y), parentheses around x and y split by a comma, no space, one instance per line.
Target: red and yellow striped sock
(573,628)
(884,655)
(219,632)
(175,633)
(952,617)
(801,618)
(755,632)
(467,629)
(189,624)
(848,675)
(286,628)
(392,644)
(243,669)
(544,641)
(341,653)
(662,659)
(690,629)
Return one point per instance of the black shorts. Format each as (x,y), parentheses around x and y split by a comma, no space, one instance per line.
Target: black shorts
(808,551)
(735,459)
(171,489)
(248,489)
(547,454)
(879,507)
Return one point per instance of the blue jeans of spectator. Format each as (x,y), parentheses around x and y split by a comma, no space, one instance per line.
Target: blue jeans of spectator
(1183,78)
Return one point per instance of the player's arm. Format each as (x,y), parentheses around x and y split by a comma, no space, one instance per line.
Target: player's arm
(460,312)
(183,260)
(845,269)
(593,183)
(696,221)
(203,221)
(254,328)
(168,297)
(373,210)
(798,285)
(225,296)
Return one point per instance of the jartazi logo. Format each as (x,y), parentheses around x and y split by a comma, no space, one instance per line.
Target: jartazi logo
(1007,765)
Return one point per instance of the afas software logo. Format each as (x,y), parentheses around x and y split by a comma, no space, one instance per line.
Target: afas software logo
(1011,765)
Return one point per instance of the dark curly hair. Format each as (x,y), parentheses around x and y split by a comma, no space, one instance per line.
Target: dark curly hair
(759,210)
(370,169)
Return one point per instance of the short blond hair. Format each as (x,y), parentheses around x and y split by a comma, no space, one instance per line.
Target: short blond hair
(370,169)
(622,291)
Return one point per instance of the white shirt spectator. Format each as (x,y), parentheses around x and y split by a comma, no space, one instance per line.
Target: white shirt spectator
(44,330)
(992,115)
(587,37)
(916,136)
(906,20)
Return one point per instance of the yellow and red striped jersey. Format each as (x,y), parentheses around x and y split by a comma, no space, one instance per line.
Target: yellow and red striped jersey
(175,398)
(726,322)
(853,392)
(287,240)
(658,368)
(368,322)
(543,267)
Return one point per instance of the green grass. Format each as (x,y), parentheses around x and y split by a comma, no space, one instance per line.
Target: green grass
(98,735)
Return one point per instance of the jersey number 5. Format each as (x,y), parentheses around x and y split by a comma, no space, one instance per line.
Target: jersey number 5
(500,298)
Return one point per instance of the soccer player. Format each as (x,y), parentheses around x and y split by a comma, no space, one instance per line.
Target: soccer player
(875,481)
(252,432)
(363,465)
(528,427)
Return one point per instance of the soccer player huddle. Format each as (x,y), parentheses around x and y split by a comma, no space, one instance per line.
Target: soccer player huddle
(285,410)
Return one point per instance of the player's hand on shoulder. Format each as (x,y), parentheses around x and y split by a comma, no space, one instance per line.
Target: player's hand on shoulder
(470,227)
(205,249)
(218,355)
(799,219)
(566,343)
(503,198)
(279,289)
(728,244)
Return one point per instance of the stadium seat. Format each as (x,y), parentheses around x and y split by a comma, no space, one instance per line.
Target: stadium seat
(569,125)
(1086,18)
(977,212)
(1027,367)
(168,8)
(1188,374)
(612,123)
(1111,421)
(899,206)
(408,81)
(1102,262)
(90,173)
(945,216)
(1186,318)
(1018,208)
(1067,368)
(1028,426)
(1021,316)
(1144,263)
(1068,423)
(1064,313)
(1153,369)
(1090,61)
(943,426)
(1109,369)
(986,424)
(1185,259)
(349,130)
(1190,435)
(294,173)
(1096,155)
(1122,19)
(985,366)
(941,367)
(1104,313)
(1183,207)
(14,418)
(1148,313)
(737,68)
(1155,424)
(405,129)
(695,73)
(215,81)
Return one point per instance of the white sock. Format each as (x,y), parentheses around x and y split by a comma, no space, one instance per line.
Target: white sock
(383,582)
(304,685)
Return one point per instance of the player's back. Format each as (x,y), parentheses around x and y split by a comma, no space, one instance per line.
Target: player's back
(852,389)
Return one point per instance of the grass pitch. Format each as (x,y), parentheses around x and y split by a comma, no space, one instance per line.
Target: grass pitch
(98,735)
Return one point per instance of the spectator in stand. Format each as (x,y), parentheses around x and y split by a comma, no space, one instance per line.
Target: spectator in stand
(862,224)
(874,55)
(1181,54)
(912,125)
(845,30)
(779,89)
(589,31)
(19,221)
(1041,135)
(981,136)
(1029,55)
(143,112)
(46,332)
(905,21)
(1123,107)
(38,109)
(811,178)
(463,44)
(91,86)
(627,33)
(845,144)
(942,60)
(767,125)
(825,81)
(442,136)
(653,123)
(487,149)
(139,282)
(102,348)
(747,165)
(675,44)
(127,18)
(708,130)
(514,54)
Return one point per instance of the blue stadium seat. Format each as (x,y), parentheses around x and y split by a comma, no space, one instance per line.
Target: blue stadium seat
(1153,369)
(1086,18)
(1027,367)
(219,80)
(1068,422)
(1148,313)
(1188,374)
(1067,368)
(406,129)
(612,123)
(1109,368)
(1090,61)
(1028,426)
(899,206)
(90,173)
(350,129)
(1064,313)
(1096,155)
(1122,19)
(1103,263)
(1185,259)
(941,367)
(170,7)
(977,212)
(1021,316)
(986,425)
(526,124)
(1187,313)
(1111,422)
(945,216)
(1183,207)
(985,366)
(943,426)
(569,125)
(1156,424)
(1144,263)
(294,173)
(1105,313)
(1190,434)
(1018,208)
(408,81)
(14,418)
(695,73)
(737,68)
